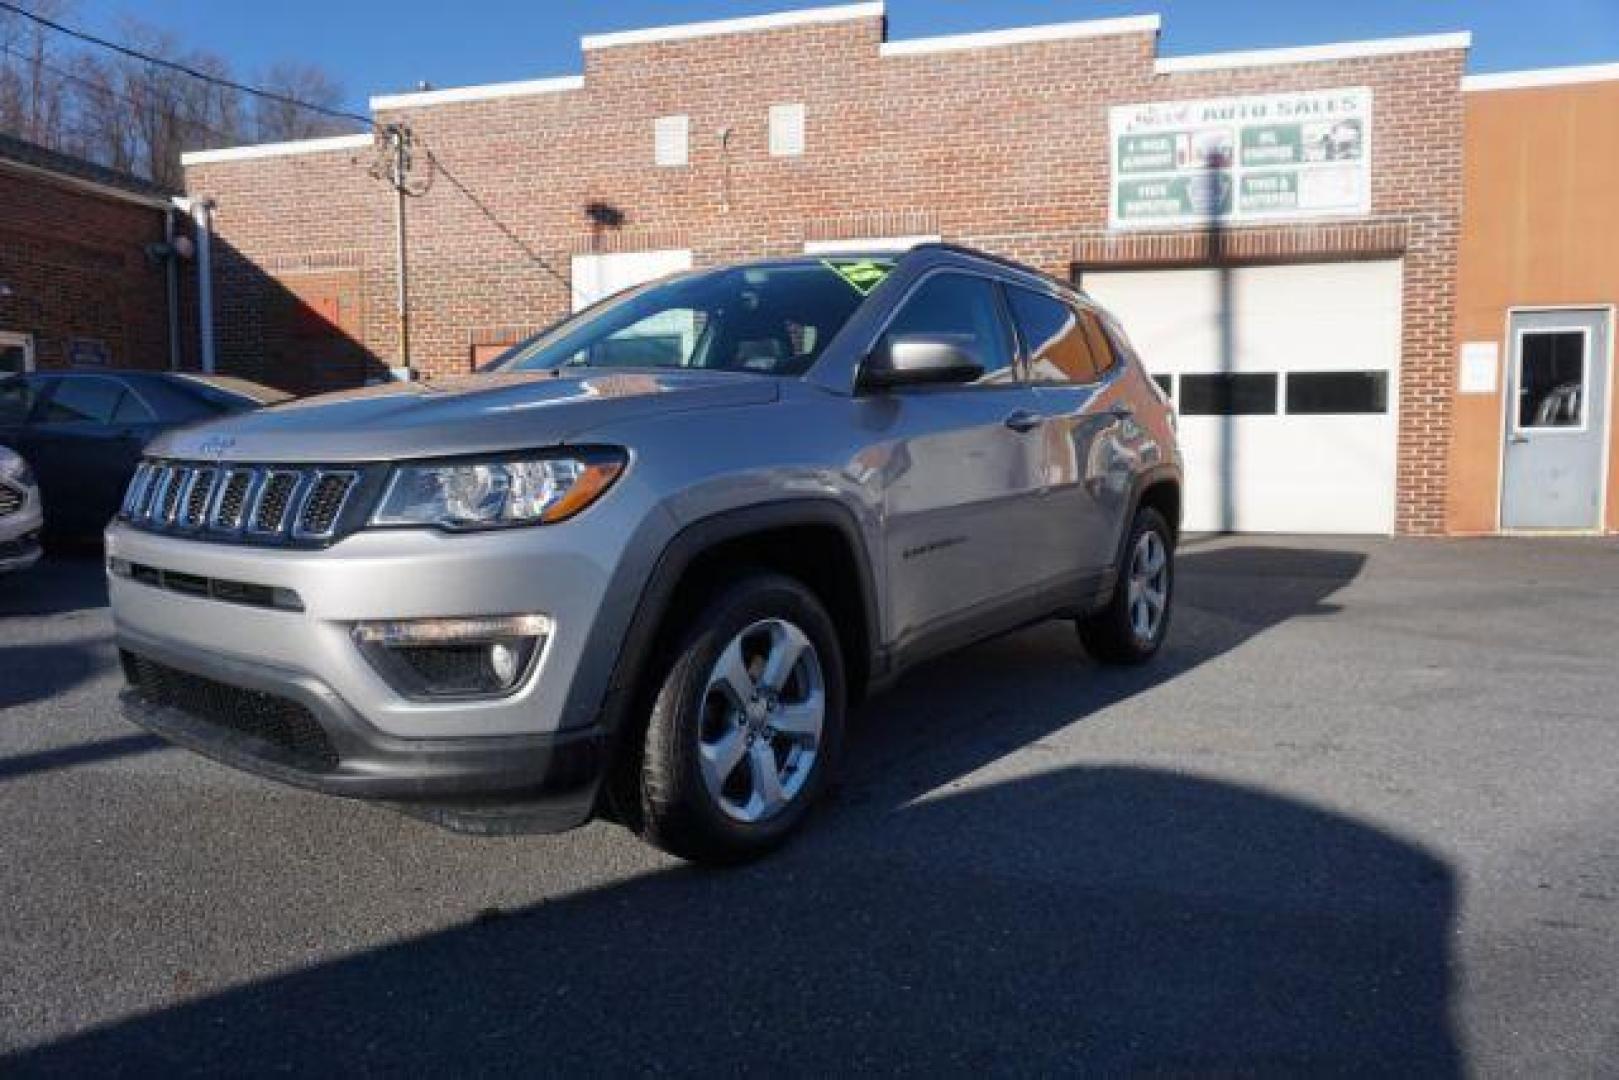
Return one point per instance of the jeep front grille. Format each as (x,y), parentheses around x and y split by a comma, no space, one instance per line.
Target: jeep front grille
(244,503)
(11,500)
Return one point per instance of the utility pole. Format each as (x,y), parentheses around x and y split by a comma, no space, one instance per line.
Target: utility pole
(399,138)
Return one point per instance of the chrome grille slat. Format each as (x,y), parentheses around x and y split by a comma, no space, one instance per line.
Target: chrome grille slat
(230,507)
(10,500)
(198,497)
(322,504)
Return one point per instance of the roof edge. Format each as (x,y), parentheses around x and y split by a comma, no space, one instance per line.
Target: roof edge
(1309,54)
(1023,35)
(745,24)
(279,149)
(478,92)
(1558,76)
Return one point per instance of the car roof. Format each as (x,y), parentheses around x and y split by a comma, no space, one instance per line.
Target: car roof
(933,252)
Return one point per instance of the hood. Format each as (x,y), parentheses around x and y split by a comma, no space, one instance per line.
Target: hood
(472,414)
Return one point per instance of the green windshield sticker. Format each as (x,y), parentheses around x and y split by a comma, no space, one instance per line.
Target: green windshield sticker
(863,275)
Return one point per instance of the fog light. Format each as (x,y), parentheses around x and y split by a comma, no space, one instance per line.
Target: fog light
(454,658)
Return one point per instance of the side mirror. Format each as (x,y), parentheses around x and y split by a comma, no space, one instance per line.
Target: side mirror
(921,360)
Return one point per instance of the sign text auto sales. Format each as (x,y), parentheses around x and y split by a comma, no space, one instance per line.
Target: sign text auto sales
(1262,157)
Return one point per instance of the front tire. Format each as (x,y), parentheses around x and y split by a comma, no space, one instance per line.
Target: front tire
(746,725)
(1132,627)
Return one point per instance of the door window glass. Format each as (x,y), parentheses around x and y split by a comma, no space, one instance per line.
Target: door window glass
(17,397)
(1551,382)
(132,410)
(962,305)
(1058,347)
(1328,393)
(1228,395)
(83,401)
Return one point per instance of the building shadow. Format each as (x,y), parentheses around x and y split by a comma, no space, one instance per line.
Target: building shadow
(1099,919)
(300,328)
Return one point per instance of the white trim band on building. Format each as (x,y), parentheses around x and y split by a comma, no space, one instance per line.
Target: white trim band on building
(1559,76)
(1023,35)
(746,24)
(482,92)
(1309,54)
(280,149)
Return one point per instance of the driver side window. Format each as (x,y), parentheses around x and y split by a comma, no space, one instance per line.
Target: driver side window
(962,305)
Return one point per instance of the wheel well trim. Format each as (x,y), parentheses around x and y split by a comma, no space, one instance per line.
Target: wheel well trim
(703,535)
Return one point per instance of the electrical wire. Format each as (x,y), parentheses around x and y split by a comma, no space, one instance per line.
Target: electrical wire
(184,69)
(100,88)
(455,181)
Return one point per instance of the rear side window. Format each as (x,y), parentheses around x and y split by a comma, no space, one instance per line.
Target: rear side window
(1054,337)
(965,305)
(83,401)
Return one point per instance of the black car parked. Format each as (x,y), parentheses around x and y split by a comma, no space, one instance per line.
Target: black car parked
(83,432)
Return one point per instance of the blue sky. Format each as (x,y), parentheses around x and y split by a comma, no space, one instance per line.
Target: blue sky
(376,46)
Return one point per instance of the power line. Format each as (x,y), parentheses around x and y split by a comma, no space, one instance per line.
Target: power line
(184,69)
(505,230)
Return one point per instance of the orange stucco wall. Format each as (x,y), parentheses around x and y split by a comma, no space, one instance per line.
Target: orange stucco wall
(1540,227)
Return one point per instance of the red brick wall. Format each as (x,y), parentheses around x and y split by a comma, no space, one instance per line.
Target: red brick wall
(1004,148)
(74,261)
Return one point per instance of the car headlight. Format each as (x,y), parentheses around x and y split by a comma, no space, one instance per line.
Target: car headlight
(13,467)
(495,494)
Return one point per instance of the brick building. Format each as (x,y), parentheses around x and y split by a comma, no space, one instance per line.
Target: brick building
(1308,336)
(84,269)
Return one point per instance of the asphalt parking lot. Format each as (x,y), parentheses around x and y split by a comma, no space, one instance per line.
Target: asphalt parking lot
(1362,817)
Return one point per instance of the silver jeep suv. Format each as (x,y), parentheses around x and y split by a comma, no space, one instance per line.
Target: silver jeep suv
(644,563)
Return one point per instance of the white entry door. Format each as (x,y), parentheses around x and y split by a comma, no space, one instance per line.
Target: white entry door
(1285,379)
(596,277)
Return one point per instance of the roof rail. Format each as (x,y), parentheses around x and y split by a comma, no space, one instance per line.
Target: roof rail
(998,260)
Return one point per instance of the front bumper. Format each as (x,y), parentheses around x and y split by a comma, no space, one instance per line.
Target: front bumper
(290,727)
(19,536)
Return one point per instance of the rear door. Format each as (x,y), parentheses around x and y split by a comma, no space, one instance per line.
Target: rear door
(81,453)
(961,468)
(1091,439)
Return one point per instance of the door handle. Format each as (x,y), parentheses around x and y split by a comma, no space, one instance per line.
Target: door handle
(1518,440)
(1023,420)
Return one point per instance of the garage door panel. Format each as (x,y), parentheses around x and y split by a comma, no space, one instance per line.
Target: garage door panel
(1321,472)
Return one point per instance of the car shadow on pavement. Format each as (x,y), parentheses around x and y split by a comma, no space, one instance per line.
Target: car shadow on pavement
(57,585)
(1101,919)
(30,673)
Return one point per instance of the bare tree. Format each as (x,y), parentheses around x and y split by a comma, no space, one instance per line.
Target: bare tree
(138,116)
(278,121)
(33,96)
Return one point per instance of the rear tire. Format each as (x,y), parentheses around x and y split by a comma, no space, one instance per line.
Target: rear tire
(1131,628)
(746,726)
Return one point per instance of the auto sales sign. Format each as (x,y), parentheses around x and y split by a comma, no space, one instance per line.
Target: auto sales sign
(1241,159)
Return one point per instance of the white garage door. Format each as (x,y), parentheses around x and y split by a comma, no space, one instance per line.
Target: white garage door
(1286,381)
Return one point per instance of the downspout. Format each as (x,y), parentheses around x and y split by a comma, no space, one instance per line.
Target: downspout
(203,213)
(171,283)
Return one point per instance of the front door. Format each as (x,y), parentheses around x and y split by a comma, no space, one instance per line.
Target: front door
(1556,420)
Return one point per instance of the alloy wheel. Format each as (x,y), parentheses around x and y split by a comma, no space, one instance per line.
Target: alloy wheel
(762,713)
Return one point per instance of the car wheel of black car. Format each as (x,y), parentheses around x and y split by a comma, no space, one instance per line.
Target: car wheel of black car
(746,726)
(1131,628)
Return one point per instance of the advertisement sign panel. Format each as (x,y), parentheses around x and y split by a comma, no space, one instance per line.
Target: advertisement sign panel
(1241,159)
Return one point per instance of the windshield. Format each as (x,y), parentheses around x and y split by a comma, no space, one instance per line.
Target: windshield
(775,320)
